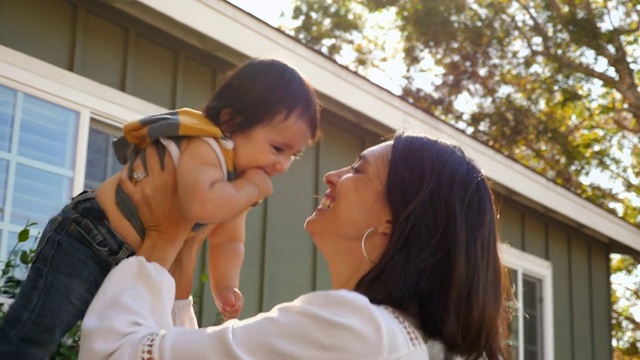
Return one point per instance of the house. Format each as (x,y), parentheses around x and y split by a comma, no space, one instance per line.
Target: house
(73,71)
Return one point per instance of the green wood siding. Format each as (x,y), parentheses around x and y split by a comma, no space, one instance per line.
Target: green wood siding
(559,257)
(600,297)
(103,44)
(581,308)
(580,300)
(511,225)
(535,237)
(42,29)
(104,52)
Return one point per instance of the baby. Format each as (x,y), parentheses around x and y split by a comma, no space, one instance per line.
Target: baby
(256,123)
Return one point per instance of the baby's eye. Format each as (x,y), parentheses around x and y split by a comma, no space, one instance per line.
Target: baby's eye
(277,149)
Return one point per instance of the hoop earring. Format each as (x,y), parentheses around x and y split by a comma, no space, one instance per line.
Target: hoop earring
(364,252)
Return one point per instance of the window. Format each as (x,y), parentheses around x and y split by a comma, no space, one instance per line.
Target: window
(101,159)
(531,328)
(37,161)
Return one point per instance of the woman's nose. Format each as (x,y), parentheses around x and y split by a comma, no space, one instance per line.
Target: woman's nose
(332,177)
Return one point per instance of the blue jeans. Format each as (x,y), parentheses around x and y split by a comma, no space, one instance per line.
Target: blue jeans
(76,251)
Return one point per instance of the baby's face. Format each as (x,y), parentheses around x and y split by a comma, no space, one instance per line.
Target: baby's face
(271,146)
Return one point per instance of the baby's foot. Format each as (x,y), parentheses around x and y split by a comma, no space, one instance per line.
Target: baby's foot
(229,301)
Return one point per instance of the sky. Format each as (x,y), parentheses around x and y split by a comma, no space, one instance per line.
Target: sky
(269,11)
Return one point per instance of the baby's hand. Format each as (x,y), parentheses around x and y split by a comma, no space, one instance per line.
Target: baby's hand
(229,301)
(261,180)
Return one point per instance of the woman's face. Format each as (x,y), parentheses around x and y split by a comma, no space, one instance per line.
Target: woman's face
(354,202)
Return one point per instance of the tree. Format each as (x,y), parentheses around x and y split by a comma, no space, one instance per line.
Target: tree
(553,84)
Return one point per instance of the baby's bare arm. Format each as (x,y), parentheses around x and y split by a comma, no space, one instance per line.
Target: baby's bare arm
(203,187)
(226,252)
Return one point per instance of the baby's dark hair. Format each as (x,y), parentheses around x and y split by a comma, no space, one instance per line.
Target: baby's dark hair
(259,91)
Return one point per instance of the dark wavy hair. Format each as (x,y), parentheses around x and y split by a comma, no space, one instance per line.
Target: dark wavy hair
(260,90)
(442,264)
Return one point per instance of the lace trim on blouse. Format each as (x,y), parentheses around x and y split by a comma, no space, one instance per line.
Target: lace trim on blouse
(149,348)
(415,337)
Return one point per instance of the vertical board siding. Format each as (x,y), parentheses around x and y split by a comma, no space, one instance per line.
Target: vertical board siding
(253,266)
(581,300)
(600,293)
(535,237)
(289,253)
(103,56)
(96,41)
(559,256)
(196,84)
(511,226)
(42,29)
(153,73)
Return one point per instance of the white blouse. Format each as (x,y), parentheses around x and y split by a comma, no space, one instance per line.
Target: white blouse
(131,318)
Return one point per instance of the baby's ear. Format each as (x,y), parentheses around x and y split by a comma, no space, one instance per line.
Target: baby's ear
(228,121)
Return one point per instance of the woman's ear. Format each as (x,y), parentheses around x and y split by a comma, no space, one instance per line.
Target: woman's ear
(386,228)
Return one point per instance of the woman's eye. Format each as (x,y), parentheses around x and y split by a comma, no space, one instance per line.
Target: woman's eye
(354,168)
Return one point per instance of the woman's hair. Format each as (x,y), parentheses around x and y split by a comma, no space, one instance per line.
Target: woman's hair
(260,90)
(442,265)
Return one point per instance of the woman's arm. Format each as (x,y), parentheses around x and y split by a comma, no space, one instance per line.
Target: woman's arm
(131,315)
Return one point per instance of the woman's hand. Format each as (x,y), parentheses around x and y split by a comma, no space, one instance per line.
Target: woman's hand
(156,198)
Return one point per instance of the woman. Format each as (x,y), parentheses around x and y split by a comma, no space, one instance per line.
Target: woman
(409,234)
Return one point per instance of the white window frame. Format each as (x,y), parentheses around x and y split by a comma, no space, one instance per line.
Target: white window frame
(80,159)
(89,98)
(533,266)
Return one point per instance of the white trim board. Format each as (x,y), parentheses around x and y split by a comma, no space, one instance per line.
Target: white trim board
(540,269)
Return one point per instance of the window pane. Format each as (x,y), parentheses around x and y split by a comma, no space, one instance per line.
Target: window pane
(7,106)
(531,303)
(4,171)
(513,325)
(38,195)
(48,133)
(101,161)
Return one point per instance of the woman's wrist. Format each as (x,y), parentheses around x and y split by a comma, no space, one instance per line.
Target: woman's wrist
(156,249)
